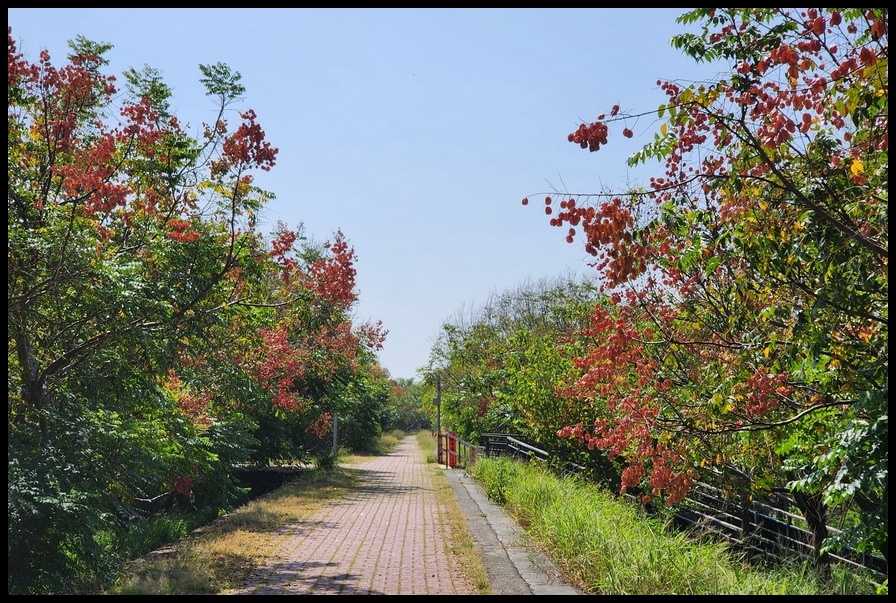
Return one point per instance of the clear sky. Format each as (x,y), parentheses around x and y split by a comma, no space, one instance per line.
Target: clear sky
(416,132)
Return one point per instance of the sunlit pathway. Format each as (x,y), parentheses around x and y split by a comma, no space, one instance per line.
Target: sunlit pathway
(387,537)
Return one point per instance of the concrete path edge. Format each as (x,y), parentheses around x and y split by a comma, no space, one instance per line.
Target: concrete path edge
(512,567)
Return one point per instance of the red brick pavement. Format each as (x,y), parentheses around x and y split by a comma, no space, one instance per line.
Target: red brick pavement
(388,537)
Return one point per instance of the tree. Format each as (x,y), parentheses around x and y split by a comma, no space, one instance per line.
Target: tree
(117,250)
(155,338)
(747,339)
(500,365)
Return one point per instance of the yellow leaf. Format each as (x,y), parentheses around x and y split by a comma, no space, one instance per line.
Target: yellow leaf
(663,129)
(857,168)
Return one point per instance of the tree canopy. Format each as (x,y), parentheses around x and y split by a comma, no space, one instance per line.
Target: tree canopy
(747,333)
(157,339)
(741,336)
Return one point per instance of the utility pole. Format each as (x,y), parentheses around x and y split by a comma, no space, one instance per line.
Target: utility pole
(438,402)
(335,429)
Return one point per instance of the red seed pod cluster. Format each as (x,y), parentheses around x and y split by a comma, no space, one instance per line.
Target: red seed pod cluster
(590,136)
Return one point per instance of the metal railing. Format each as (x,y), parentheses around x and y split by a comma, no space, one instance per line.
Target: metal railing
(765,527)
(454,452)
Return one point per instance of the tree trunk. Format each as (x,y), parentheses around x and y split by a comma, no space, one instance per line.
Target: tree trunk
(813,508)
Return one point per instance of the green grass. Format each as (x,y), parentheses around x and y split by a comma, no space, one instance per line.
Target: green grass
(601,543)
(607,545)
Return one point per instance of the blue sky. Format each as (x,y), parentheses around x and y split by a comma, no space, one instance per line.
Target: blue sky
(416,132)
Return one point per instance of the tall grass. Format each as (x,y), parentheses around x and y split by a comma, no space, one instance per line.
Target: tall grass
(607,545)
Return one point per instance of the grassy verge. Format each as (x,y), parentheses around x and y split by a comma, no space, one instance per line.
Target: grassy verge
(223,553)
(605,545)
(461,545)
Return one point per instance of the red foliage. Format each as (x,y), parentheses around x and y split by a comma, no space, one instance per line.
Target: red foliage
(194,406)
(282,249)
(333,277)
(278,366)
(245,148)
(782,95)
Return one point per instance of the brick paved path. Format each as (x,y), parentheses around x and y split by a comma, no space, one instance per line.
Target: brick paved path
(387,537)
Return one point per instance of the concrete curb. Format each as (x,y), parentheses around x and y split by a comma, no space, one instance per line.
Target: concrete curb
(513,568)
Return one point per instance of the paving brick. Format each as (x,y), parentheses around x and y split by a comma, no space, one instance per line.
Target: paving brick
(387,537)
(390,536)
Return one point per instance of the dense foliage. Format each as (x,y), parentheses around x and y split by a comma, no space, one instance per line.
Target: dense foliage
(741,335)
(736,331)
(156,338)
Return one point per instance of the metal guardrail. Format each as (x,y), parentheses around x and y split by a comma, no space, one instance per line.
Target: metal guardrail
(454,452)
(763,528)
